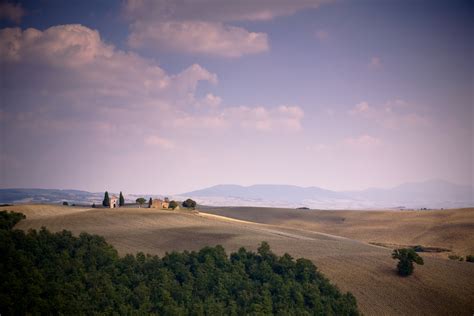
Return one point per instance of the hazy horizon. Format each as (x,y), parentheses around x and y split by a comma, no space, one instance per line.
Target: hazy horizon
(244,186)
(156,96)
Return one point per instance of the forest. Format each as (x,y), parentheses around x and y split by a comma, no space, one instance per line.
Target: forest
(58,273)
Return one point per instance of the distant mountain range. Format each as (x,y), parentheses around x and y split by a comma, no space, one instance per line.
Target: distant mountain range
(428,194)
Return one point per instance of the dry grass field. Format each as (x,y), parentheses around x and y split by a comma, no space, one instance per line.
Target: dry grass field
(449,229)
(440,287)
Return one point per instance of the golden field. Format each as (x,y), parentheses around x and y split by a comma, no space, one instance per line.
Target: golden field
(337,241)
(451,229)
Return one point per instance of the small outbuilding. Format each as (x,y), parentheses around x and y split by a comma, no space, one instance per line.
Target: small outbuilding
(159,203)
(113,201)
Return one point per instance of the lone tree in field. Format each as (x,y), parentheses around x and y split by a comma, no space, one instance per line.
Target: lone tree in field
(173,205)
(406,256)
(189,203)
(121,199)
(106,201)
(140,201)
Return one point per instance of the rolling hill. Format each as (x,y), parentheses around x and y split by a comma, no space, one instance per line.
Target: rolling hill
(428,194)
(440,287)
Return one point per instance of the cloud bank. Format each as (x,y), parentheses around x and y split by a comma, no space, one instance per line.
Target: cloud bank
(71,78)
(202,27)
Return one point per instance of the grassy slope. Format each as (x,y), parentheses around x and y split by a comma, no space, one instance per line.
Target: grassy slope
(439,287)
(452,229)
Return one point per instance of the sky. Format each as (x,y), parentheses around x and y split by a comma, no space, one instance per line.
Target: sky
(157,96)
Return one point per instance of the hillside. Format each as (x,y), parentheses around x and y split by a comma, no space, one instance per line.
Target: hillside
(451,229)
(428,194)
(46,273)
(440,287)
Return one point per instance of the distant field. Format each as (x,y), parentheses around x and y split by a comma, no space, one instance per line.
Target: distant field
(451,229)
(440,287)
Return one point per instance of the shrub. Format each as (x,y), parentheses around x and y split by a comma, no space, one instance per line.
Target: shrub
(189,203)
(470,258)
(140,201)
(65,203)
(406,257)
(173,204)
(419,248)
(456,257)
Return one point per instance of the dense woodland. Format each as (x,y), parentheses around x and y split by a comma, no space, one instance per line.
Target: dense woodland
(58,273)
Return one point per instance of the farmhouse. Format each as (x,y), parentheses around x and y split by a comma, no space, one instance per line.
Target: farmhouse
(159,203)
(113,201)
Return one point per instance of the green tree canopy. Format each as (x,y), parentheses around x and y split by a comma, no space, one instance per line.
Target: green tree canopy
(406,257)
(173,204)
(9,219)
(44,273)
(106,201)
(189,203)
(140,201)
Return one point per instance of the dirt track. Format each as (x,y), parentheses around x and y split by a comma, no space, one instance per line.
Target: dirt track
(440,287)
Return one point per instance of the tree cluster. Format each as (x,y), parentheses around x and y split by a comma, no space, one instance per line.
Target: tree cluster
(57,273)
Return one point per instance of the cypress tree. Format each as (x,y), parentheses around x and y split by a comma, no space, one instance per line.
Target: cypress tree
(121,199)
(150,202)
(106,201)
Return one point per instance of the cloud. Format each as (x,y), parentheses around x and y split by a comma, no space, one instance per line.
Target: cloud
(65,82)
(12,12)
(202,122)
(363,141)
(264,119)
(202,27)
(216,10)
(321,35)
(197,37)
(155,140)
(73,61)
(362,107)
(64,45)
(210,101)
(282,118)
(394,114)
(375,62)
